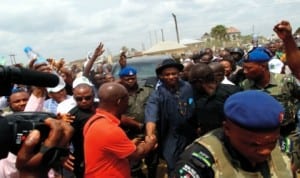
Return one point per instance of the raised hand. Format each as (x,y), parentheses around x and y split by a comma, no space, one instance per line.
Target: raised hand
(283,29)
(98,51)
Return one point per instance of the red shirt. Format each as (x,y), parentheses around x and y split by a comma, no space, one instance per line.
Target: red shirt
(106,147)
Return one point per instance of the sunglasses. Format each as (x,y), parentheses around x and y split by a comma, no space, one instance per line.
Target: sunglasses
(86,98)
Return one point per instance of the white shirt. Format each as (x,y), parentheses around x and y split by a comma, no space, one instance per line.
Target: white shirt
(8,167)
(226,81)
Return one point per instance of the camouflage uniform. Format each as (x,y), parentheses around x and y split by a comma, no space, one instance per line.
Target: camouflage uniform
(283,87)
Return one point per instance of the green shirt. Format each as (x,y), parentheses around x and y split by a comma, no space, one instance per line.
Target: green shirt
(137,102)
(281,87)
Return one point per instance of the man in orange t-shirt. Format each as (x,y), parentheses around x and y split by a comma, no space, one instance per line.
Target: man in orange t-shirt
(106,146)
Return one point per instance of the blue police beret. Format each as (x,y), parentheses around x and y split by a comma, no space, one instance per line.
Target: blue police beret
(258,54)
(127,71)
(254,110)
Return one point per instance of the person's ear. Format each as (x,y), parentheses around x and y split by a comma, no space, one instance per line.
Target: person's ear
(160,76)
(119,101)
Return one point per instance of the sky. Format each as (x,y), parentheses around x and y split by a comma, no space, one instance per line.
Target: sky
(70,29)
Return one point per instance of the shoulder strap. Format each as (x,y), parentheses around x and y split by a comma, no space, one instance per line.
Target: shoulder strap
(281,163)
(215,146)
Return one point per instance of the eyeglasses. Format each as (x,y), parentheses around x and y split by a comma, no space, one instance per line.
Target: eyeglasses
(86,98)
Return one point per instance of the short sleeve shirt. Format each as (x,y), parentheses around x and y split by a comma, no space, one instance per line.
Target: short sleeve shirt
(106,147)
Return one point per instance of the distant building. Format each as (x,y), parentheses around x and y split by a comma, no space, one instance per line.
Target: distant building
(233,33)
(166,47)
(193,45)
(205,37)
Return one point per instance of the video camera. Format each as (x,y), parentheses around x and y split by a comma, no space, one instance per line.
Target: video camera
(17,75)
(15,128)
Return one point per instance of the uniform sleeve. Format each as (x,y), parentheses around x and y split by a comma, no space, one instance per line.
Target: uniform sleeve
(152,107)
(194,162)
(294,86)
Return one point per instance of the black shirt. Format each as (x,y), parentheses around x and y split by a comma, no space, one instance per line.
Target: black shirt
(81,117)
(209,108)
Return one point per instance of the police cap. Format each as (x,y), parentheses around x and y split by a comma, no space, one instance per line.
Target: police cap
(254,110)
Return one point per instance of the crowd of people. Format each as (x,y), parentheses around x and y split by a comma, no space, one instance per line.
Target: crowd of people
(232,114)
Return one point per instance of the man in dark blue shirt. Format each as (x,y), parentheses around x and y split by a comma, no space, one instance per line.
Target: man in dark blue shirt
(168,112)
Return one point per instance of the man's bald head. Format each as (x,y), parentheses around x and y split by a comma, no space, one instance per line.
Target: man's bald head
(111,91)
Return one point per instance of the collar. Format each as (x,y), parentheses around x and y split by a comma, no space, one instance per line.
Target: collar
(272,82)
(139,90)
(180,83)
(108,116)
(272,79)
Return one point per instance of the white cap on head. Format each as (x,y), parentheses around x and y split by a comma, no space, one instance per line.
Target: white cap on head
(61,85)
(81,80)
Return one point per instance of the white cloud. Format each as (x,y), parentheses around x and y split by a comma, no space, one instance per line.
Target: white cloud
(71,28)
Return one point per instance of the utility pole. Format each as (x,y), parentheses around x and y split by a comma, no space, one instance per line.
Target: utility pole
(12,59)
(176,27)
(162,35)
(155,33)
(150,36)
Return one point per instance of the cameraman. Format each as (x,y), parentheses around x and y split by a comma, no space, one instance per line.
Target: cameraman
(29,162)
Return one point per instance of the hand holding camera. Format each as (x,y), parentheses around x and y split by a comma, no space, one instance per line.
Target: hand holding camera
(33,163)
(37,138)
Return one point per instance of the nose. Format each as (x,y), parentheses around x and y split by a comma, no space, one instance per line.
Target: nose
(23,102)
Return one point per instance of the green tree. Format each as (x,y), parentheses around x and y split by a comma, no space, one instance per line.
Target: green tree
(246,39)
(297,32)
(219,32)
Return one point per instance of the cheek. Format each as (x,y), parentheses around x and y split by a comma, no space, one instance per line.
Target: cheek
(250,71)
(237,143)
(242,148)
(13,105)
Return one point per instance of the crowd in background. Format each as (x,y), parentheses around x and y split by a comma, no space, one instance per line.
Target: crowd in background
(122,129)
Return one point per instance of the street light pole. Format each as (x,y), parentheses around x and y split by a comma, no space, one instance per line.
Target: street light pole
(176,27)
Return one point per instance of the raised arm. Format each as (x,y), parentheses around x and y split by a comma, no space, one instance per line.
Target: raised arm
(98,52)
(284,32)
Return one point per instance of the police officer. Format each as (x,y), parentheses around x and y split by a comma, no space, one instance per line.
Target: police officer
(282,87)
(244,147)
(138,96)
